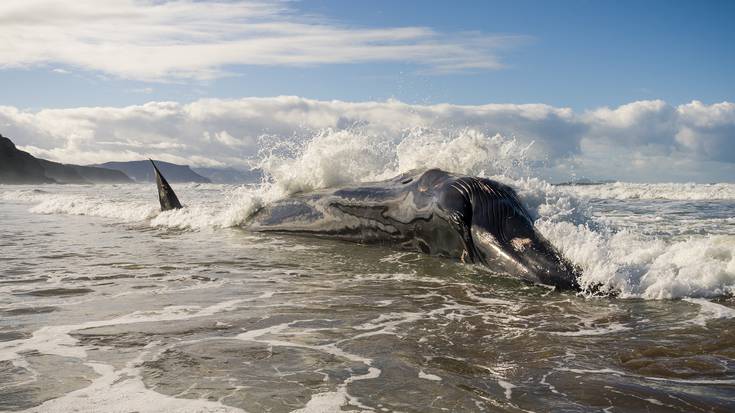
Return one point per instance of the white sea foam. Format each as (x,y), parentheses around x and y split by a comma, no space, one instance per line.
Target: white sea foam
(58,341)
(507,387)
(341,157)
(84,205)
(671,191)
(640,266)
(429,376)
(207,206)
(710,311)
(115,390)
(594,331)
(124,391)
(620,373)
(324,402)
(330,401)
(22,195)
(625,261)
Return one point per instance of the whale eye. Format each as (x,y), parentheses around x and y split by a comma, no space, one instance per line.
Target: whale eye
(407,180)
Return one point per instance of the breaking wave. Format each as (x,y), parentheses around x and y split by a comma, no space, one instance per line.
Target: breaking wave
(629,263)
(671,191)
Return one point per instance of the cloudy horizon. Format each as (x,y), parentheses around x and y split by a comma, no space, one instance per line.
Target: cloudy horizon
(639,141)
(597,90)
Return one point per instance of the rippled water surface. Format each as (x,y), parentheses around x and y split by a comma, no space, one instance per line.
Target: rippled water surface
(105,305)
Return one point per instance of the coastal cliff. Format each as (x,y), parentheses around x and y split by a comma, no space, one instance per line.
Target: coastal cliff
(20,167)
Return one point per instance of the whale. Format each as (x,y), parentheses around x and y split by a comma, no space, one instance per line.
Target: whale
(471,219)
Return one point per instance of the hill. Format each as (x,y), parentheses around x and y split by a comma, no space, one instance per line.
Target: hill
(142,171)
(20,167)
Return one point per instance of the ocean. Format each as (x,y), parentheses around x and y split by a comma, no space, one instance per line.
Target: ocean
(107,304)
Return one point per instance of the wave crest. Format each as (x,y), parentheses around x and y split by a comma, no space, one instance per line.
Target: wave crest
(630,263)
(669,191)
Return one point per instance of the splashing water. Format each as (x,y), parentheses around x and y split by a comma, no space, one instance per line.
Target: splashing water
(113,305)
(630,263)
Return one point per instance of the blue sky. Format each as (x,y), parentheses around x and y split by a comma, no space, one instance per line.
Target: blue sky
(578,54)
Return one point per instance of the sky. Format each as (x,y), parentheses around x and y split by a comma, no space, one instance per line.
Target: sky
(634,90)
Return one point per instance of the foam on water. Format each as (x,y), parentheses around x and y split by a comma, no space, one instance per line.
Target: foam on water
(428,376)
(612,328)
(83,205)
(710,311)
(56,339)
(124,391)
(330,401)
(116,389)
(639,266)
(630,263)
(220,206)
(334,158)
(671,191)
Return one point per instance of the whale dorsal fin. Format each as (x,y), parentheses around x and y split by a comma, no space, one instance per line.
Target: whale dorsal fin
(166,195)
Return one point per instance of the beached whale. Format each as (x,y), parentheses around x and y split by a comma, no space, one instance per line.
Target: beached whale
(475,220)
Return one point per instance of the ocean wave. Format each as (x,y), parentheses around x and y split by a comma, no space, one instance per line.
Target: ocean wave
(22,195)
(633,265)
(333,158)
(620,261)
(630,263)
(84,205)
(669,191)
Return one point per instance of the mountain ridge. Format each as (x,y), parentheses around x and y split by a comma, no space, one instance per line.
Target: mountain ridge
(20,167)
(141,171)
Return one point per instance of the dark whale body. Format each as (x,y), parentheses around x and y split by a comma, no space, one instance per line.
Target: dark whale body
(475,220)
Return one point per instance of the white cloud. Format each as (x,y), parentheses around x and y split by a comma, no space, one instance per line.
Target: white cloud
(646,140)
(708,131)
(183,39)
(142,90)
(648,121)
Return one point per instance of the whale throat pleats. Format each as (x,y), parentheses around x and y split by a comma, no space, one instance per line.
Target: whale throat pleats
(166,195)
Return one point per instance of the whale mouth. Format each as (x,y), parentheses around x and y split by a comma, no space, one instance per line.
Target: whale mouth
(530,257)
(493,254)
(548,265)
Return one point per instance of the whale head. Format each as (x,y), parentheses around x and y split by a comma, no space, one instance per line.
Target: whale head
(516,247)
(502,236)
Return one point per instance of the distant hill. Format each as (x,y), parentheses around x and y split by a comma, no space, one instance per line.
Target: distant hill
(142,171)
(77,174)
(230,175)
(19,167)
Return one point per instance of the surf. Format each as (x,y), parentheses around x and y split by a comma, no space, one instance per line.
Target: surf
(638,262)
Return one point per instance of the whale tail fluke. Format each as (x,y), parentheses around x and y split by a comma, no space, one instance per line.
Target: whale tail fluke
(166,195)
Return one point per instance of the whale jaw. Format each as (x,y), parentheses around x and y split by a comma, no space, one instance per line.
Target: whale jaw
(531,258)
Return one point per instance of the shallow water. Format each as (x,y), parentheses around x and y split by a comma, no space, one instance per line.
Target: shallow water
(107,305)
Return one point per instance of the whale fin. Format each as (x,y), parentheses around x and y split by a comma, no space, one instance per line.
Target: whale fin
(166,195)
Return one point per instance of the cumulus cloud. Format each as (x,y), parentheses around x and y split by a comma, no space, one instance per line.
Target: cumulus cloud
(708,131)
(646,140)
(185,39)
